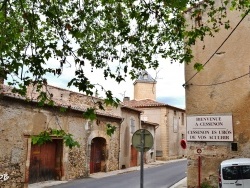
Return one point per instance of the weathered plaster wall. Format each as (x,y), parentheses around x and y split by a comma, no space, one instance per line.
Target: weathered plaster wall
(231,96)
(126,136)
(20,120)
(144,91)
(154,115)
(13,145)
(176,130)
(150,155)
(167,141)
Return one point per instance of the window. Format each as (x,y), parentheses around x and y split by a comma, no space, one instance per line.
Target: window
(132,125)
(175,112)
(182,118)
(182,136)
(236,172)
(175,125)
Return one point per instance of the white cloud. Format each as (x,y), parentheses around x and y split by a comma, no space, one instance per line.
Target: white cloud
(170,78)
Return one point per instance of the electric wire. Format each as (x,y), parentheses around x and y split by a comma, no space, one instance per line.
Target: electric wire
(219,46)
(220,82)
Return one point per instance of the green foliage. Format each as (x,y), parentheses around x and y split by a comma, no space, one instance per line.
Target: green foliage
(205,184)
(110,129)
(44,99)
(62,109)
(45,136)
(42,138)
(38,38)
(198,66)
(90,114)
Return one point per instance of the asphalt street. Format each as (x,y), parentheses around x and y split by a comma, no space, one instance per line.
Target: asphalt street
(159,176)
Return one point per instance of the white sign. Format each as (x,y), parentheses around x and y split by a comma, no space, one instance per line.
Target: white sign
(210,128)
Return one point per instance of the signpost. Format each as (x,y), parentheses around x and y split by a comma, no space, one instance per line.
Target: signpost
(199,167)
(143,141)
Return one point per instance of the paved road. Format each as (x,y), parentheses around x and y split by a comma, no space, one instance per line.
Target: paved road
(162,176)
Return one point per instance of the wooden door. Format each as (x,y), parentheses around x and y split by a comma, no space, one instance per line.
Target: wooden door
(133,161)
(97,157)
(45,161)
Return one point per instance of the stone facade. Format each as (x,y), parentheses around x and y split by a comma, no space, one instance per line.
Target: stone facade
(21,119)
(171,127)
(130,124)
(171,120)
(150,155)
(221,88)
(145,87)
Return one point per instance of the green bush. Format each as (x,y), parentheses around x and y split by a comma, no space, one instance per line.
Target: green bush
(205,185)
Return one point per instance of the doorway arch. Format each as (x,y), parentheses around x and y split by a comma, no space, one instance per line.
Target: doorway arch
(98,155)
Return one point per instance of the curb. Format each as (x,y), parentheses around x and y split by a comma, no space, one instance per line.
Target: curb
(181,184)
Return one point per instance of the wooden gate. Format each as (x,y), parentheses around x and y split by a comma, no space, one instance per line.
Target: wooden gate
(46,161)
(97,157)
(133,161)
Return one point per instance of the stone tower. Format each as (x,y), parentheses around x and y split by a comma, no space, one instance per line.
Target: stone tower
(145,87)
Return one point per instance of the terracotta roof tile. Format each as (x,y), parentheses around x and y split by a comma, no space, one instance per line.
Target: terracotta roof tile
(147,103)
(7,91)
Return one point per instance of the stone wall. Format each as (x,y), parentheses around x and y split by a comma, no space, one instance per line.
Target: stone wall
(144,91)
(20,120)
(126,135)
(226,91)
(13,145)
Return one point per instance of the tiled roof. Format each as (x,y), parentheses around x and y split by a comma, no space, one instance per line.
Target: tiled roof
(149,123)
(147,103)
(130,108)
(7,92)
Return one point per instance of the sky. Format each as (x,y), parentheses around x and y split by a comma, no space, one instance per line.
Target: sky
(169,77)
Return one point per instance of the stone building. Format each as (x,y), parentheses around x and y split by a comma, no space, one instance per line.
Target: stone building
(22,118)
(217,99)
(171,120)
(27,163)
(131,122)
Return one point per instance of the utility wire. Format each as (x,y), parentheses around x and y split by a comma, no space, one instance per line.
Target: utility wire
(220,82)
(219,46)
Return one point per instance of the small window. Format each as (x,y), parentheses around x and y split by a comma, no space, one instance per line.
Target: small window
(132,125)
(145,76)
(182,136)
(182,118)
(175,112)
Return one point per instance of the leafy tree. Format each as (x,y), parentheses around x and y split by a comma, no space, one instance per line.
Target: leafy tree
(39,37)
(99,32)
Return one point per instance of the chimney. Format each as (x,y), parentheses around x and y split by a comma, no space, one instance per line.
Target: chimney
(126,99)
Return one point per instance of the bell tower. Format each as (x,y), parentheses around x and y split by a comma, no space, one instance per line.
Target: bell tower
(145,87)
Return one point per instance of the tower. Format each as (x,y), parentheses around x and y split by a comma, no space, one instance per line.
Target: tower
(145,87)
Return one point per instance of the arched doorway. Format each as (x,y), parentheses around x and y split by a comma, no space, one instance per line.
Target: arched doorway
(98,155)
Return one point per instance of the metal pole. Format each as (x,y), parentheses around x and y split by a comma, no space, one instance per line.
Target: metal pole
(142,151)
(199,171)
